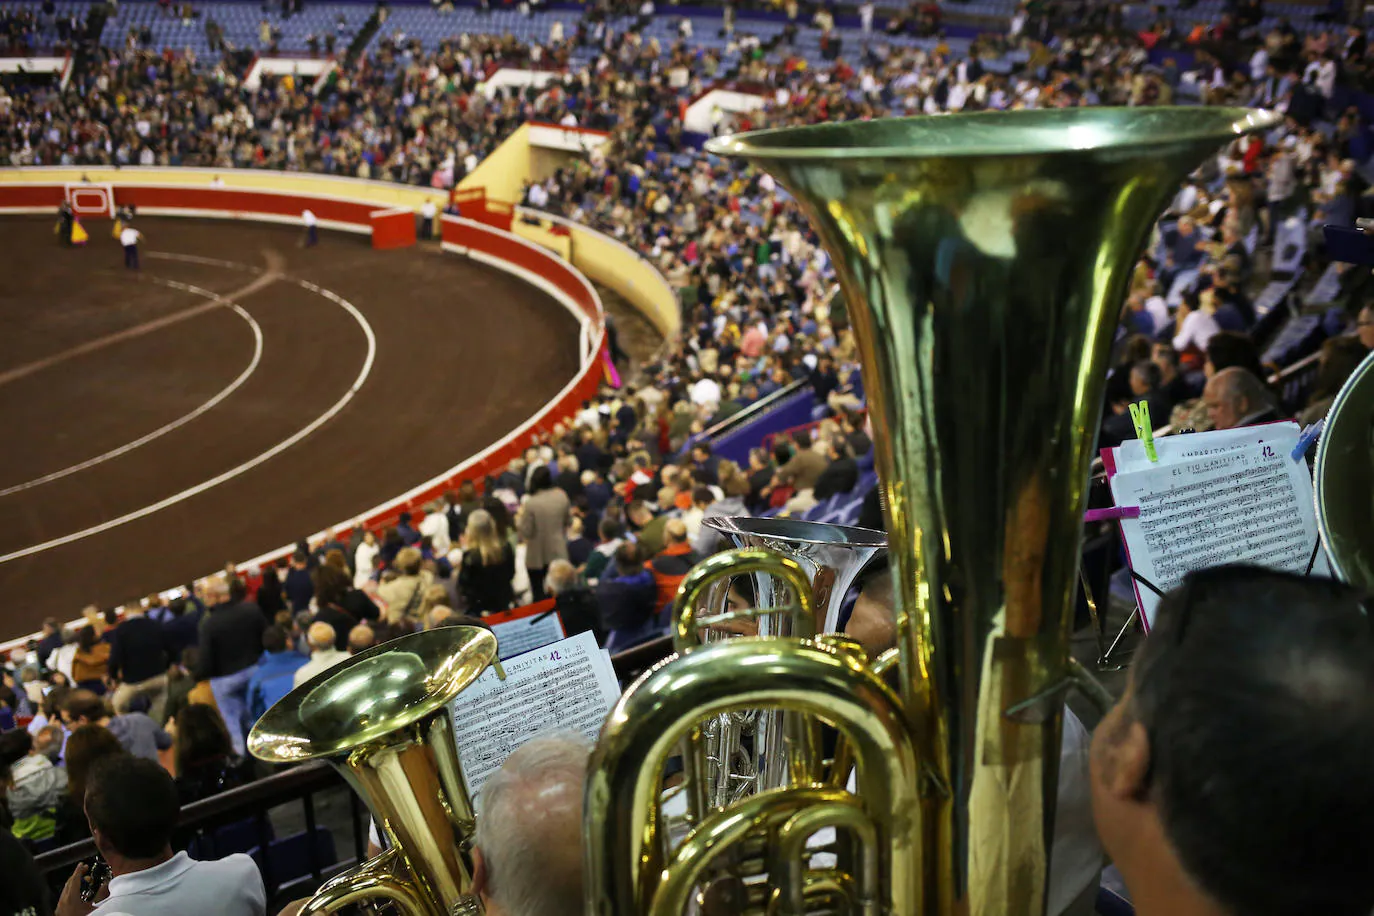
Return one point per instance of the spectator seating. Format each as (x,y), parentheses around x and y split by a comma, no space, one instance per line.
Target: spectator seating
(1301,336)
(240,22)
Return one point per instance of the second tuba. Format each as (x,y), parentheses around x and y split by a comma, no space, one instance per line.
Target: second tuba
(381,718)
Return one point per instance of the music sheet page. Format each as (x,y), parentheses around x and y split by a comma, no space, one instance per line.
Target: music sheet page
(567,685)
(1215,502)
(515,637)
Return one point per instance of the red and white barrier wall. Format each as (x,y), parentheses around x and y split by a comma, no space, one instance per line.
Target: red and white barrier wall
(492,246)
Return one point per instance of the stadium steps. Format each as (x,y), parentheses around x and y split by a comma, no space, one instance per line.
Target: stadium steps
(364,37)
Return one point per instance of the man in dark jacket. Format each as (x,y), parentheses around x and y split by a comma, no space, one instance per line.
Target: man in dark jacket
(230,644)
(1145,386)
(626,594)
(573,601)
(840,476)
(139,661)
(298,586)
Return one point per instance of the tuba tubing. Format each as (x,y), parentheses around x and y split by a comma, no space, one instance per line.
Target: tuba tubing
(651,719)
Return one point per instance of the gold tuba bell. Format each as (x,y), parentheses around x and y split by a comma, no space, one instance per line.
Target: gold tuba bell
(983,260)
(381,718)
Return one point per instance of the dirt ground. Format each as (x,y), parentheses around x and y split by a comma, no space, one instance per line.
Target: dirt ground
(94,359)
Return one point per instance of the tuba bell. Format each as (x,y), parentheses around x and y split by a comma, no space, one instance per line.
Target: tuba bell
(1344,474)
(983,259)
(381,718)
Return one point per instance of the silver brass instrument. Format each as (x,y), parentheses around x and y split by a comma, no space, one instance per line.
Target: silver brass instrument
(381,718)
(1344,474)
(983,259)
(746,751)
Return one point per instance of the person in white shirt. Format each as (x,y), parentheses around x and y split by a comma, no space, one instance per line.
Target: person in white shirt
(435,527)
(312,232)
(129,237)
(538,197)
(427,213)
(320,637)
(132,807)
(365,559)
(705,392)
(1195,325)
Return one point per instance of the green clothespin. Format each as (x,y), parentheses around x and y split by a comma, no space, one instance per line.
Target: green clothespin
(1144,431)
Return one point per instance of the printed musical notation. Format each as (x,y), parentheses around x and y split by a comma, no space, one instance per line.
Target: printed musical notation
(515,637)
(1217,498)
(567,685)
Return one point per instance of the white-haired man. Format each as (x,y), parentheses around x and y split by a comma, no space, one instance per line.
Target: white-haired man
(527,859)
(323,653)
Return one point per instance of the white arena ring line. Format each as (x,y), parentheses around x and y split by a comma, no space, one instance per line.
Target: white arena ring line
(247,465)
(180,421)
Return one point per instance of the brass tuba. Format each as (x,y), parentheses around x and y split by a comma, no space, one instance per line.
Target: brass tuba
(1344,474)
(381,718)
(983,260)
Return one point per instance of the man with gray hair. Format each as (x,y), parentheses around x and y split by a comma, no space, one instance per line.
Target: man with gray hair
(527,859)
(1235,398)
(323,655)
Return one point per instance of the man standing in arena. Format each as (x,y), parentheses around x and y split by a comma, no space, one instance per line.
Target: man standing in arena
(129,237)
(312,232)
(427,213)
(66,221)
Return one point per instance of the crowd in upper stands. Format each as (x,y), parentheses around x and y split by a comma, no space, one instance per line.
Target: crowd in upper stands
(608,514)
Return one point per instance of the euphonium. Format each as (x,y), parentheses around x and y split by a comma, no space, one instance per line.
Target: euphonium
(983,260)
(1344,474)
(381,718)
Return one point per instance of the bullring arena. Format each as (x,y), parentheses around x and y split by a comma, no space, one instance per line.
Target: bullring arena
(242,391)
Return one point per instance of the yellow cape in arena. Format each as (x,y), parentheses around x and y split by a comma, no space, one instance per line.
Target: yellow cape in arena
(118,227)
(79,234)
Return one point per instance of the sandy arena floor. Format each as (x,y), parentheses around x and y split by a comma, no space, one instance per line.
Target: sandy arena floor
(240,392)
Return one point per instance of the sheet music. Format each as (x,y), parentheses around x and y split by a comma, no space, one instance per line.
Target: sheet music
(515,637)
(1130,455)
(567,685)
(1219,500)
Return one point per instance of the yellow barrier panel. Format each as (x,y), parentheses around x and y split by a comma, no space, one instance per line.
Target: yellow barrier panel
(619,268)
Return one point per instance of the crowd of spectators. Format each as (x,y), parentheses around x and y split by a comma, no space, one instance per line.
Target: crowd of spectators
(607,514)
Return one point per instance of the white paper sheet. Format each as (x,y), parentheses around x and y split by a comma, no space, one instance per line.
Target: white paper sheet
(515,637)
(1234,496)
(570,684)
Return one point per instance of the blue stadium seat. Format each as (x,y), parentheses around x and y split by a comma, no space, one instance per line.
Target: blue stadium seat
(289,858)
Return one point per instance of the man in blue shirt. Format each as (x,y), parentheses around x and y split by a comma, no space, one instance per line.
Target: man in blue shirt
(275,673)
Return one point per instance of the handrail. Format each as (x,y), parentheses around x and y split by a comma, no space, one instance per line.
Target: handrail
(761,406)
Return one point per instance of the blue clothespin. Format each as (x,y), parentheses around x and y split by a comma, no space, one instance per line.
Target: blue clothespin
(1309,436)
(1144,431)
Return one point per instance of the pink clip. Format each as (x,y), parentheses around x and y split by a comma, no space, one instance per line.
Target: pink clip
(1111,514)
